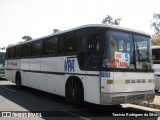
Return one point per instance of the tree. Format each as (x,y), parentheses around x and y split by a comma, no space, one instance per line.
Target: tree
(27,38)
(56,30)
(117,21)
(3,48)
(155,22)
(111,21)
(107,20)
(156,39)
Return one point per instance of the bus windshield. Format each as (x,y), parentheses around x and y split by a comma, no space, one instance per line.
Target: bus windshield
(124,50)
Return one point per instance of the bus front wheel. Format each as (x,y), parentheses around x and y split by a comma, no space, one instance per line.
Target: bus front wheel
(78,97)
(69,90)
(156,91)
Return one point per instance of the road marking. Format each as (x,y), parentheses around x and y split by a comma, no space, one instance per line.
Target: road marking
(76,115)
(8,89)
(139,107)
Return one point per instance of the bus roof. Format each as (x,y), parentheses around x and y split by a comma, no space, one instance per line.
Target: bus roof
(87,26)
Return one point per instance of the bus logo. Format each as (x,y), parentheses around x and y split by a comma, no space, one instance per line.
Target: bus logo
(69,65)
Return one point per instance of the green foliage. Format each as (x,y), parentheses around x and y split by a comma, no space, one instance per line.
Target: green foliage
(3,48)
(155,22)
(27,38)
(111,21)
(156,39)
(56,31)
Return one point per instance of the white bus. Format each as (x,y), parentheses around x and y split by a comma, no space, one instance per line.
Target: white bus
(2,62)
(99,64)
(156,66)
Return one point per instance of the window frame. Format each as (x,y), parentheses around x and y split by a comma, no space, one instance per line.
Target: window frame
(17,51)
(29,50)
(9,54)
(86,32)
(40,52)
(61,53)
(55,45)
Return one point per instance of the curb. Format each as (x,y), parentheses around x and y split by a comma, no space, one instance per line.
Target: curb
(150,105)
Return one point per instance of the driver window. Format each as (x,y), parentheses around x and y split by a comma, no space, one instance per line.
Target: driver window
(93,50)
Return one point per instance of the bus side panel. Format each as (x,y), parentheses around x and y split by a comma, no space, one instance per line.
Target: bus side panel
(42,82)
(55,84)
(92,90)
(60,84)
(60,79)
(25,78)
(36,79)
(8,71)
(24,64)
(12,66)
(8,75)
(51,83)
(35,64)
(33,80)
(49,64)
(34,76)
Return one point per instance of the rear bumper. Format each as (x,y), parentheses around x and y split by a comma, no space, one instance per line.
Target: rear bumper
(131,97)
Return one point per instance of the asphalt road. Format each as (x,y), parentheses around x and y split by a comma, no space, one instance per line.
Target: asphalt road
(28,102)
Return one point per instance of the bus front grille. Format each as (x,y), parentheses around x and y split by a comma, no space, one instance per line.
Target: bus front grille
(135,97)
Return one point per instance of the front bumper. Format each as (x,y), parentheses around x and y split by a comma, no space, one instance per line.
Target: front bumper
(131,97)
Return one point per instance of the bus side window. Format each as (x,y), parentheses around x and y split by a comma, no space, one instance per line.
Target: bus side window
(68,44)
(50,46)
(10,53)
(93,50)
(25,50)
(17,51)
(82,51)
(36,48)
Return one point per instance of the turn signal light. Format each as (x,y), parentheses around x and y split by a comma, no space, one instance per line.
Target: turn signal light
(109,81)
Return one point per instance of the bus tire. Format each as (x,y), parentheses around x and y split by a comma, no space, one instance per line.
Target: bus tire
(18,81)
(156,90)
(69,90)
(78,95)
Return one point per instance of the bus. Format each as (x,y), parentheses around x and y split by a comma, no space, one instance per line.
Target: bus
(95,63)
(156,66)
(2,62)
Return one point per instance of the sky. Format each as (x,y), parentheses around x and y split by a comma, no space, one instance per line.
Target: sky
(38,18)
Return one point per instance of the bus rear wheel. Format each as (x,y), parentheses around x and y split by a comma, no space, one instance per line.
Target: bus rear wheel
(18,81)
